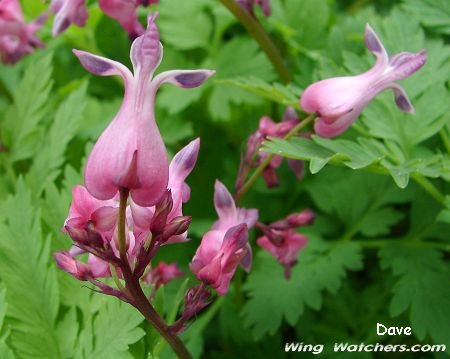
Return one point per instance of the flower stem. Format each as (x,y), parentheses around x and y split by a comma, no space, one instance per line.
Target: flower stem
(254,28)
(121,223)
(134,291)
(141,302)
(246,186)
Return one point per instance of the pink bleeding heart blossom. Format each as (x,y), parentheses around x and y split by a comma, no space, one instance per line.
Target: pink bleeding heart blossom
(225,246)
(180,167)
(163,274)
(130,152)
(125,12)
(282,241)
(68,12)
(254,157)
(249,4)
(17,38)
(339,101)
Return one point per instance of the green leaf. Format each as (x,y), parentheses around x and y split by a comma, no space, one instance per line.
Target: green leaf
(30,105)
(285,95)
(252,62)
(422,289)
(185,25)
(360,201)
(444,215)
(115,328)
(368,154)
(47,163)
(32,291)
(272,297)
(434,14)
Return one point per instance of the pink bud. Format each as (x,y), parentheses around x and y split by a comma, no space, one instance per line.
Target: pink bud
(286,250)
(66,13)
(70,265)
(163,274)
(125,12)
(339,101)
(17,38)
(217,258)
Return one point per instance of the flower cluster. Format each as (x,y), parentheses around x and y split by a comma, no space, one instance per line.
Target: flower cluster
(282,241)
(254,157)
(226,245)
(17,38)
(130,159)
(75,12)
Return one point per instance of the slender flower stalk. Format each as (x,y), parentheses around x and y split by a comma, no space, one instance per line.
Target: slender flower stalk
(255,29)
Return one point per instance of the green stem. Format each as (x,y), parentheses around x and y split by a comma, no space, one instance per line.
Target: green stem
(445,138)
(143,305)
(254,28)
(429,187)
(249,183)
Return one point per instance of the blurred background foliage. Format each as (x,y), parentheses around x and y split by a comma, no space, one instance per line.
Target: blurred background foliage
(378,251)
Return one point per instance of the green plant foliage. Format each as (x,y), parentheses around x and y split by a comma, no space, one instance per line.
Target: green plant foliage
(31,287)
(274,298)
(422,289)
(377,252)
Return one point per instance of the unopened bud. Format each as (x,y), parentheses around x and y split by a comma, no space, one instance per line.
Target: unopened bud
(302,218)
(177,226)
(162,210)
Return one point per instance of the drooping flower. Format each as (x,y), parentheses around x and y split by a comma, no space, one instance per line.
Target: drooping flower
(249,4)
(17,38)
(282,241)
(253,157)
(180,167)
(225,246)
(162,274)
(68,12)
(339,101)
(130,152)
(88,214)
(125,12)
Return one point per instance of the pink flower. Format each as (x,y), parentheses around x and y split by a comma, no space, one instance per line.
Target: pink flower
(66,13)
(282,241)
(163,274)
(88,214)
(125,12)
(17,38)
(225,246)
(254,157)
(249,4)
(130,152)
(180,167)
(339,101)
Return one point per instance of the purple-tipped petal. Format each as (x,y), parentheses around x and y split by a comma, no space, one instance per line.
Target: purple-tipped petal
(183,78)
(102,66)
(224,203)
(183,163)
(146,50)
(405,64)
(402,100)
(375,46)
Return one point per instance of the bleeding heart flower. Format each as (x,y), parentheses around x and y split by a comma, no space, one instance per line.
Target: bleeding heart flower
(130,152)
(68,12)
(339,101)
